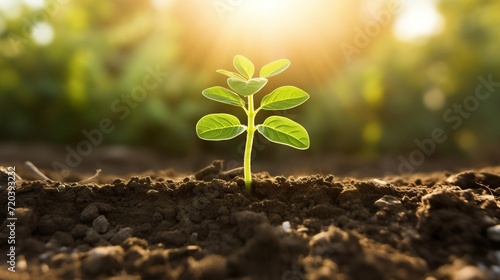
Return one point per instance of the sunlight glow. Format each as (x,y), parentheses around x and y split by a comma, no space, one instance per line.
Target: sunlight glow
(266,9)
(419,19)
(35,4)
(43,34)
(161,4)
(10,8)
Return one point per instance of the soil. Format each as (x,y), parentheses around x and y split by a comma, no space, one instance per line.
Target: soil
(158,225)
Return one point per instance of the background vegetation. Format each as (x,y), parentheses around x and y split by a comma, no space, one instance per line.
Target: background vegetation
(64,64)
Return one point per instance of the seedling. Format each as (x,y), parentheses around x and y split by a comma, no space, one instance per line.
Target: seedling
(277,129)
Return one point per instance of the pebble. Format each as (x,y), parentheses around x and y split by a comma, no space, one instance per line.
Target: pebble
(100,224)
(388,201)
(103,260)
(378,181)
(91,236)
(89,213)
(493,233)
(79,231)
(286,226)
(122,235)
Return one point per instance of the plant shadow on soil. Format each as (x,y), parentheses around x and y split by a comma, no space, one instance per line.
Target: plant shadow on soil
(207,226)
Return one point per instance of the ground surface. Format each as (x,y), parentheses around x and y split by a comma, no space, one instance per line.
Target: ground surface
(205,225)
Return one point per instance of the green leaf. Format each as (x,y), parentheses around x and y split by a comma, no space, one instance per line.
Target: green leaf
(223,95)
(283,98)
(244,66)
(246,88)
(231,74)
(274,68)
(284,131)
(218,127)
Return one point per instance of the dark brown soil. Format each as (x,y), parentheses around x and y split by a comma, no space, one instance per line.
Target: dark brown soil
(207,226)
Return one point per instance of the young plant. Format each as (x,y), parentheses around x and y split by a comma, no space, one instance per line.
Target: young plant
(281,130)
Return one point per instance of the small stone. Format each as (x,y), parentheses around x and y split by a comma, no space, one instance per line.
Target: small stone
(122,235)
(89,213)
(388,201)
(79,231)
(100,224)
(493,233)
(286,226)
(91,236)
(103,261)
(380,182)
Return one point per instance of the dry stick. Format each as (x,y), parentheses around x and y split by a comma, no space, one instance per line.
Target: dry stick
(3,170)
(91,177)
(36,170)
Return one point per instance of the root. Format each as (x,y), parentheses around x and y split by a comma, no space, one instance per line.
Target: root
(91,177)
(35,170)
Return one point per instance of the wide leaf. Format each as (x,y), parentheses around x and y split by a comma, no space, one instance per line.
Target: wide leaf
(274,68)
(283,98)
(218,127)
(244,66)
(246,88)
(223,95)
(284,131)
(231,74)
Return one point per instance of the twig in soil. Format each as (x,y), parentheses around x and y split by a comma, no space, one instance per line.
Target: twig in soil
(4,170)
(36,170)
(97,172)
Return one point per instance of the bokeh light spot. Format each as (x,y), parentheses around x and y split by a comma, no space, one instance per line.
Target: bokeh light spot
(42,33)
(418,19)
(466,140)
(10,9)
(35,4)
(434,99)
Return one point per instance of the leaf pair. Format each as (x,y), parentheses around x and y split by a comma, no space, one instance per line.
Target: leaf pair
(276,129)
(282,98)
(246,68)
(243,83)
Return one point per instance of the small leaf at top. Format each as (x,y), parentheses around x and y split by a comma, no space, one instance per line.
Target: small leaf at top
(223,95)
(274,68)
(246,88)
(244,66)
(284,131)
(218,127)
(231,74)
(283,98)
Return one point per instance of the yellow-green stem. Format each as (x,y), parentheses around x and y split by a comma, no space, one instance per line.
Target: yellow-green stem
(248,147)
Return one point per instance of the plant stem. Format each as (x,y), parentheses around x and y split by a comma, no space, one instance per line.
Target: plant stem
(248,147)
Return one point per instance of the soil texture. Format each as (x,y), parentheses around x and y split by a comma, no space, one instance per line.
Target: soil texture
(438,225)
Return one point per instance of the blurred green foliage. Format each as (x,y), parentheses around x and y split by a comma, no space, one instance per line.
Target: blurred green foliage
(379,101)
